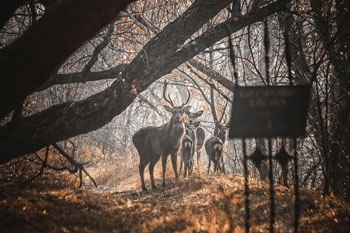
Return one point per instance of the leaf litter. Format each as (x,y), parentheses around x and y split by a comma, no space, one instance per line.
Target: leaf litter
(199,204)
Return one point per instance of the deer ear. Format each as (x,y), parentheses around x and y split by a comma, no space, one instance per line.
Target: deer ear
(199,113)
(168,108)
(186,109)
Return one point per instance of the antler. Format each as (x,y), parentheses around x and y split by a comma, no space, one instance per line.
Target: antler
(164,96)
(168,99)
(188,98)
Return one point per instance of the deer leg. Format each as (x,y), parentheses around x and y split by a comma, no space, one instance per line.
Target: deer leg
(222,165)
(219,168)
(174,162)
(164,160)
(215,166)
(181,164)
(143,164)
(209,165)
(191,167)
(198,158)
(151,169)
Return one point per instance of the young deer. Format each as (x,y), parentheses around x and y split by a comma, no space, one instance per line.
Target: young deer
(214,147)
(200,133)
(187,155)
(189,143)
(154,142)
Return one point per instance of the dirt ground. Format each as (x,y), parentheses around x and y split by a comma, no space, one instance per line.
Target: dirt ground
(201,203)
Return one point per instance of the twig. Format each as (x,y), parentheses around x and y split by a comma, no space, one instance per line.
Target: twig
(77,165)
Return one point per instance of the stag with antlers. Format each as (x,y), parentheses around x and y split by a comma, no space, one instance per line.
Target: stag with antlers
(154,142)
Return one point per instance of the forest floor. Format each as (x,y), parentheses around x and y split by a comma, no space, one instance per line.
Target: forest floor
(201,203)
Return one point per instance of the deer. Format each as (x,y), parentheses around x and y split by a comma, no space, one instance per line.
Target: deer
(189,144)
(155,142)
(187,155)
(214,147)
(200,133)
(221,132)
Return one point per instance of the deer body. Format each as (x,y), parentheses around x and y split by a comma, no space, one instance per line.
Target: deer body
(153,143)
(222,134)
(187,155)
(214,147)
(199,132)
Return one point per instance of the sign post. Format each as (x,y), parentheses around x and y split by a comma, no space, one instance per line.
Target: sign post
(270,111)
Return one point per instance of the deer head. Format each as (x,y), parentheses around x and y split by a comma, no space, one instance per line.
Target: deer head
(176,111)
(221,130)
(192,116)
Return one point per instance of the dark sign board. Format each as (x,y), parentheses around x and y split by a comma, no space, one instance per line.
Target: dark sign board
(269,111)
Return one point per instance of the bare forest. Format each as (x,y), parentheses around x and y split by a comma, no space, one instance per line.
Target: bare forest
(96,95)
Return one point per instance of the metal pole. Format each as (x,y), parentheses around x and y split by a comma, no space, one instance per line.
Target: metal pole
(272,196)
(296,188)
(246,187)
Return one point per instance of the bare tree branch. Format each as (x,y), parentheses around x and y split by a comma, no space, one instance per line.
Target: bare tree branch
(79,77)
(158,57)
(212,74)
(78,166)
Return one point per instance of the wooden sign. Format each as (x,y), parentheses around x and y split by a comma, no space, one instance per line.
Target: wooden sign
(269,111)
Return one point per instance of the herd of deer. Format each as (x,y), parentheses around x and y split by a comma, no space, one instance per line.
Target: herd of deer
(155,142)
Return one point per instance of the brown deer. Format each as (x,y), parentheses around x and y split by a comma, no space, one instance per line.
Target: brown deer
(187,155)
(200,133)
(154,142)
(214,147)
(189,144)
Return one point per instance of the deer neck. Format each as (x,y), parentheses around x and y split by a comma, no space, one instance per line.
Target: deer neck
(176,131)
(222,137)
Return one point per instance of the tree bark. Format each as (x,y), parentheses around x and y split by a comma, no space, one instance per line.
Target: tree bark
(30,60)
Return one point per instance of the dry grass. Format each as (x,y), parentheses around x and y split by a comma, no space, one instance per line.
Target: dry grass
(202,203)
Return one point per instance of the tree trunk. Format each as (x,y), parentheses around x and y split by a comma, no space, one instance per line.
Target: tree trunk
(30,60)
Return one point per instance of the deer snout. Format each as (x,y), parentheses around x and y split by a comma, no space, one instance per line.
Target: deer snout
(178,118)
